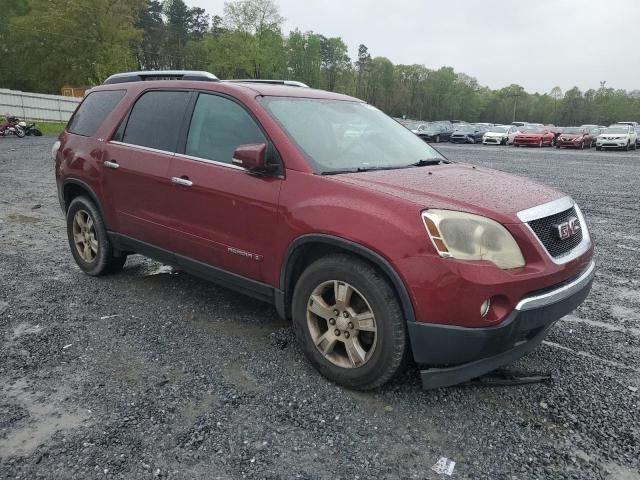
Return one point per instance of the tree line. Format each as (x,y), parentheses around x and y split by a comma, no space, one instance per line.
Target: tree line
(46,44)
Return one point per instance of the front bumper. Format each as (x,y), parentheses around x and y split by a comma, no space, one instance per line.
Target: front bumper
(569,143)
(453,139)
(612,144)
(493,140)
(467,353)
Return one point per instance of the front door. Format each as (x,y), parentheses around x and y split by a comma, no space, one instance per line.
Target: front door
(136,163)
(225,217)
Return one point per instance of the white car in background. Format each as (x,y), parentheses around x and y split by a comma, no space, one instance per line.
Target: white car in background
(500,135)
(620,137)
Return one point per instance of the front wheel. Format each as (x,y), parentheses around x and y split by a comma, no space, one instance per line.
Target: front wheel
(19,131)
(348,322)
(36,132)
(88,240)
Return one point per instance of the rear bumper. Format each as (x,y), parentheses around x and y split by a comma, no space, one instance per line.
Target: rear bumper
(467,353)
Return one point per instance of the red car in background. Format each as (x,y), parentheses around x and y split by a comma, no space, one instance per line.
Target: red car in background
(575,137)
(534,136)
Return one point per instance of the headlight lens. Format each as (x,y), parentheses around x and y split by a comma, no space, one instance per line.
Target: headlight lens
(465,236)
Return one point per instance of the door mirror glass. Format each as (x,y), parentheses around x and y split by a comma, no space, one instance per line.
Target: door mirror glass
(253,157)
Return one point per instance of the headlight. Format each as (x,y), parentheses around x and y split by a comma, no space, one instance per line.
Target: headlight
(465,236)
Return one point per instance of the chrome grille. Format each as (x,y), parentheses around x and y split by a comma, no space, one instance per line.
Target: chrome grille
(545,231)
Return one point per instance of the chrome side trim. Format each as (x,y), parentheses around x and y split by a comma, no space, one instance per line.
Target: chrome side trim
(546,209)
(140,147)
(213,162)
(554,296)
(178,155)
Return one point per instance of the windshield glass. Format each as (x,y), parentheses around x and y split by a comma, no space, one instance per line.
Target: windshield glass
(573,131)
(498,129)
(465,129)
(617,130)
(326,133)
(532,130)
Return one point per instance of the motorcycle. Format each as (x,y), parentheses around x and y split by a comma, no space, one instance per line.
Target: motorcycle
(30,129)
(11,128)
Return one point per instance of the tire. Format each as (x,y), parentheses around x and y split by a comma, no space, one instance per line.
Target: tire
(20,132)
(627,148)
(582,146)
(36,132)
(540,144)
(385,350)
(598,148)
(437,138)
(557,146)
(99,259)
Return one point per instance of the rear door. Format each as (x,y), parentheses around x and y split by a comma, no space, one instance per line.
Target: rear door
(225,217)
(136,163)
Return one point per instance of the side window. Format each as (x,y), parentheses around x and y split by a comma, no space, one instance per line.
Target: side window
(218,127)
(93,110)
(155,120)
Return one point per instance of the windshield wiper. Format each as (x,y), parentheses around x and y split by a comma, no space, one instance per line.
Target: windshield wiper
(427,161)
(363,169)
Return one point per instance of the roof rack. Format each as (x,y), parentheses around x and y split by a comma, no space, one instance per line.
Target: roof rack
(161,75)
(290,83)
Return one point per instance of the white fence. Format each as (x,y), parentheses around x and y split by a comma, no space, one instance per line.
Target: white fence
(37,106)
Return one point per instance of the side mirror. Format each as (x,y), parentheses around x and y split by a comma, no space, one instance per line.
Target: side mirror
(252,157)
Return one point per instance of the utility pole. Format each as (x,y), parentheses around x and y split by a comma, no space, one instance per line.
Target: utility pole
(515,96)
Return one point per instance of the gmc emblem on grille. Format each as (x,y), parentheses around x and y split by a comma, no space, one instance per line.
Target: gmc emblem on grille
(568,229)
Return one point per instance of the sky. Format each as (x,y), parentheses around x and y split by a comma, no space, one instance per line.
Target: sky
(538,44)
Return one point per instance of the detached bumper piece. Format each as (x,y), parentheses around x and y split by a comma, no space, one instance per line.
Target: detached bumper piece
(469,353)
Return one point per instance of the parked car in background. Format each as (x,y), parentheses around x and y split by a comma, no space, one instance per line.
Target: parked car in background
(633,124)
(637,136)
(574,137)
(435,132)
(250,186)
(618,137)
(557,131)
(500,135)
(467,134)
(534,136)
(518,124)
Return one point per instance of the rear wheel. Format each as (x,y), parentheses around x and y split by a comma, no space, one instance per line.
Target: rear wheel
(348,322)
(88,240)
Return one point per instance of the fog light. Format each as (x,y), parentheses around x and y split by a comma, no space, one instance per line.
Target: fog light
(484,308)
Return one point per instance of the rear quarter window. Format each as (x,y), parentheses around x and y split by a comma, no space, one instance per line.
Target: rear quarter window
(155,120)
(93,110)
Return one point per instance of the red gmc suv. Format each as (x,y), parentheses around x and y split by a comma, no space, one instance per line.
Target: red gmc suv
(369,240)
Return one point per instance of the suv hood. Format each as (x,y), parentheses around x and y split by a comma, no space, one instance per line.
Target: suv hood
(458,187)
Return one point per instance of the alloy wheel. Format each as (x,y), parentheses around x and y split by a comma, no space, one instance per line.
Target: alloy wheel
(84,236)
(342,324)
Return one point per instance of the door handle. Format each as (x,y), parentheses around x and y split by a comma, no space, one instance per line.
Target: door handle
(185,182)
(109,164)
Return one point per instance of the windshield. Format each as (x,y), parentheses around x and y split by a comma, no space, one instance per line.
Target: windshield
(465,129)
(532,130)
(324,131)
(573,131)
(617,130)
(498,129)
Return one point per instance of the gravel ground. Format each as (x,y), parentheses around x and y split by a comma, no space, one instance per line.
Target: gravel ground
(150,374)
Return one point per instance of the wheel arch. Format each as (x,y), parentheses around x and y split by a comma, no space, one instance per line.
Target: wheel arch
(72,188)
(308,248)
